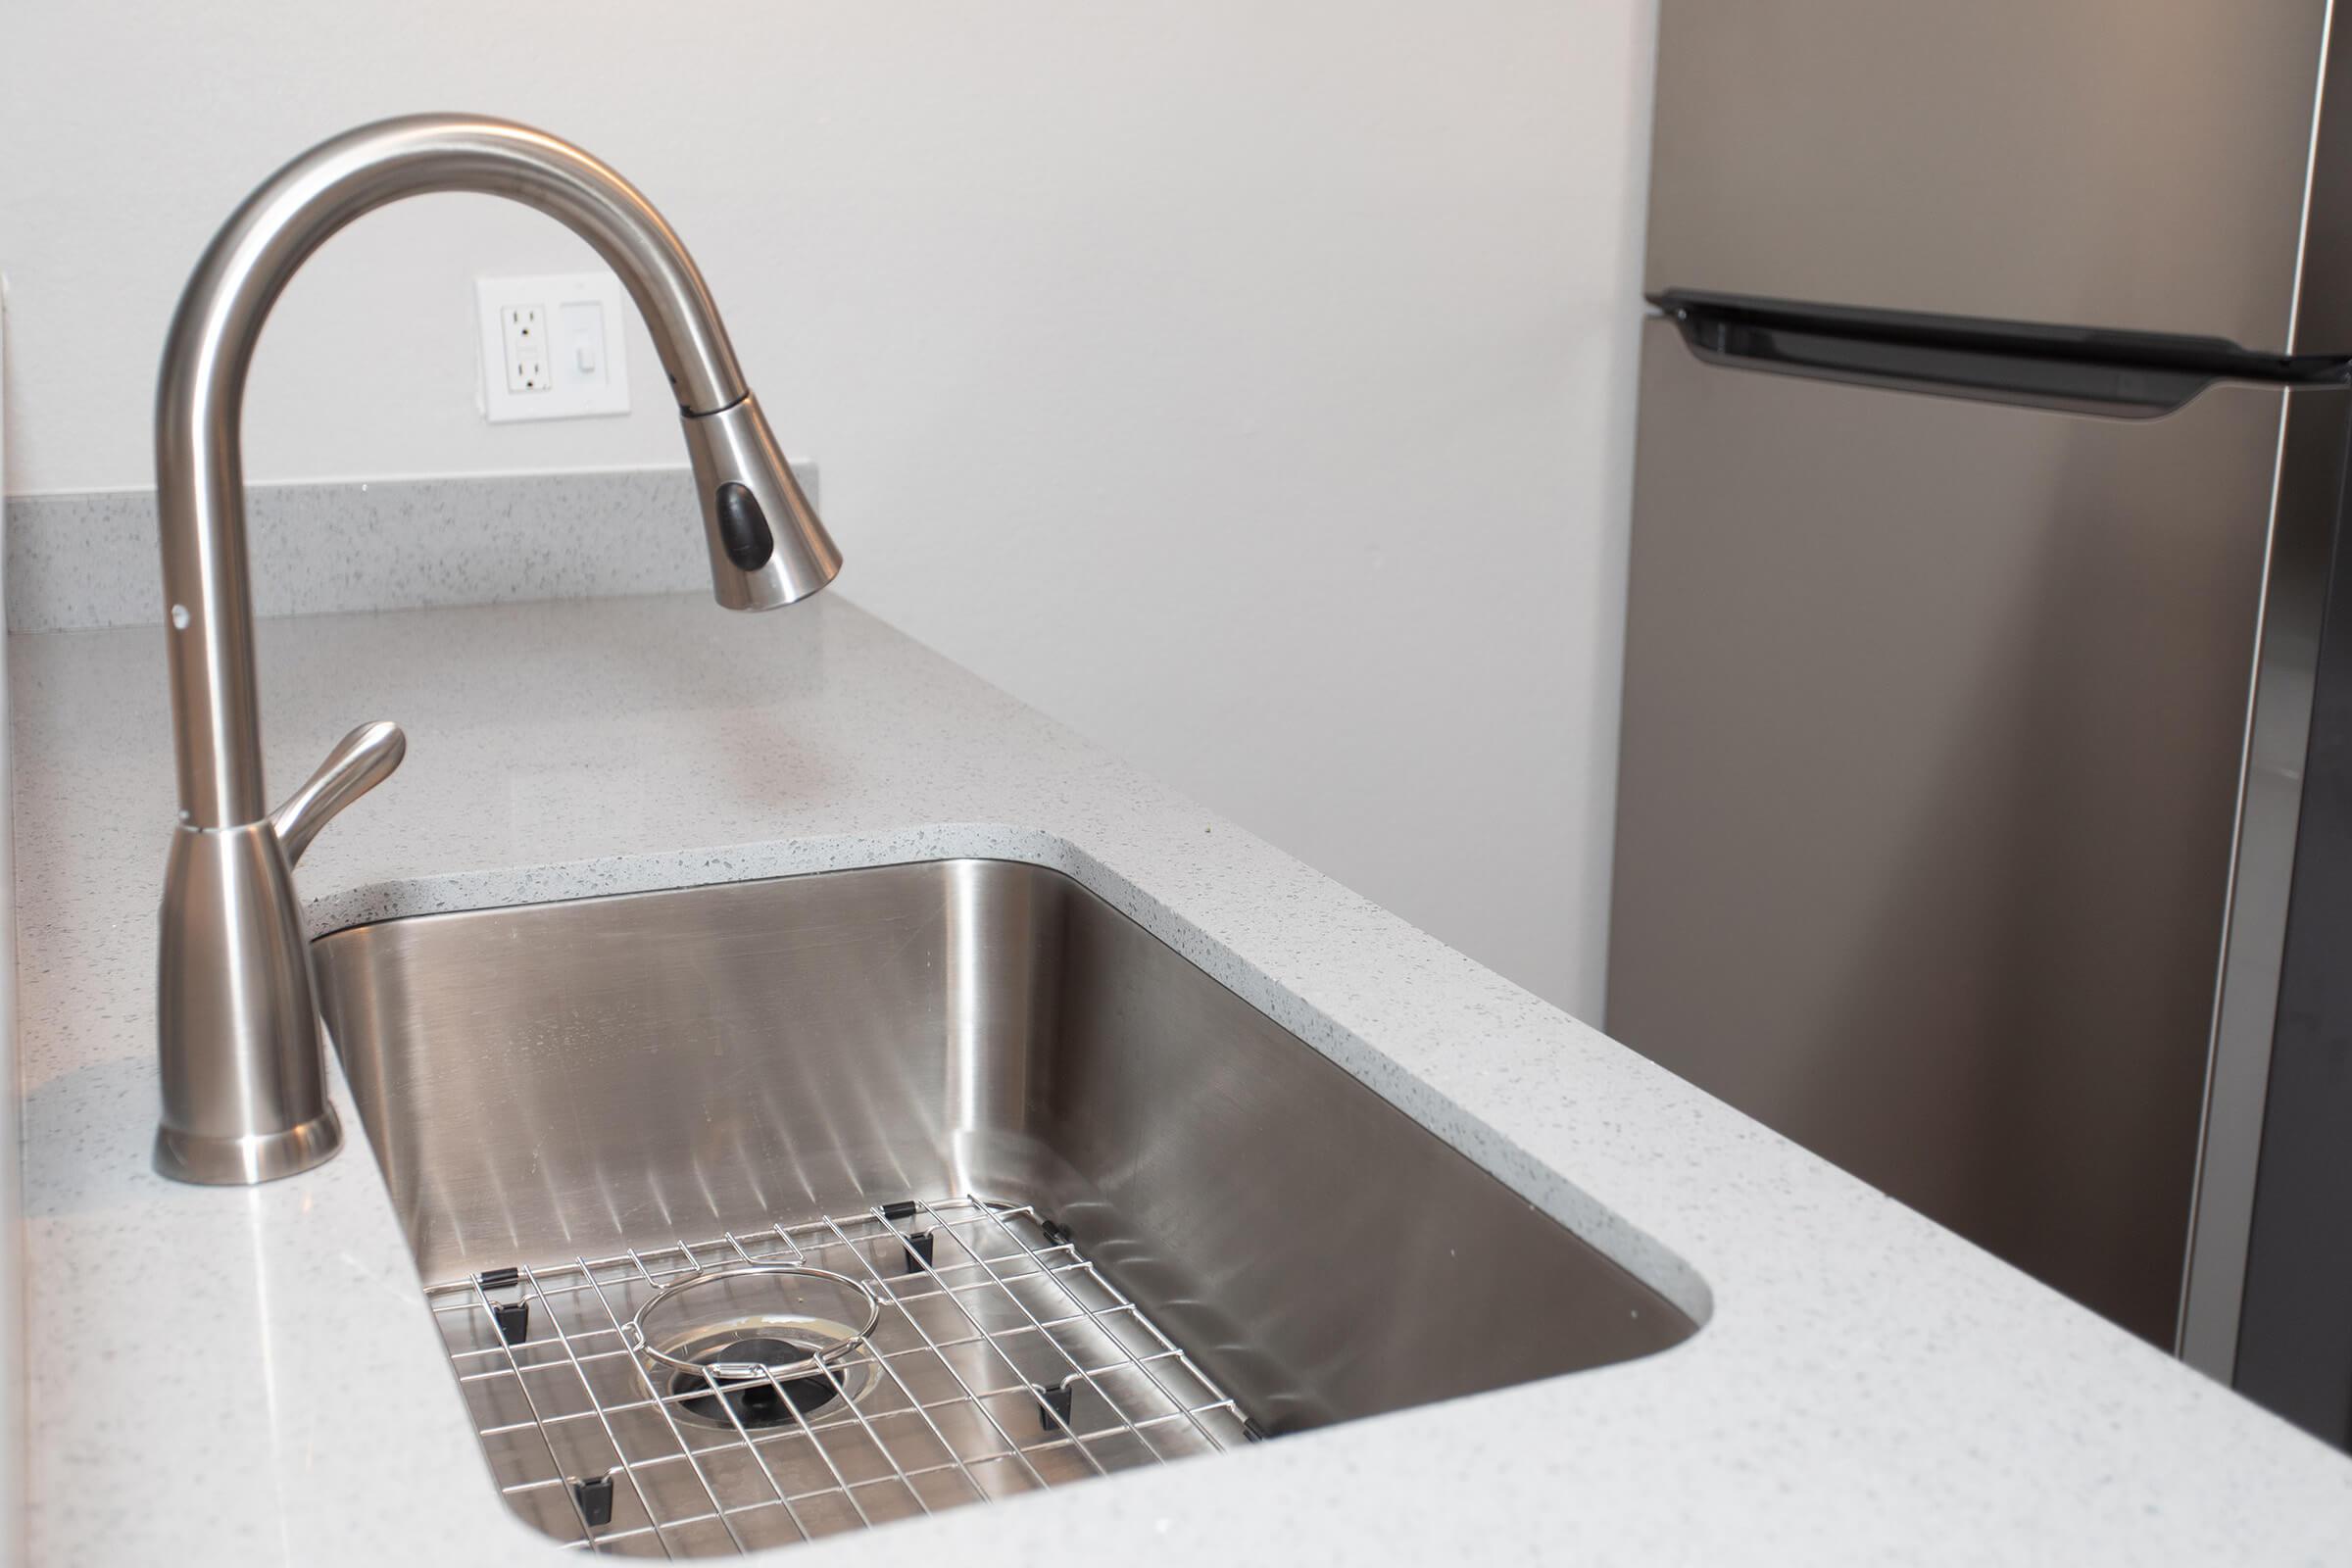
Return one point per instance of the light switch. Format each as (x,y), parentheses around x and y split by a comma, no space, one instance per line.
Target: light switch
(551,347)
(580,327)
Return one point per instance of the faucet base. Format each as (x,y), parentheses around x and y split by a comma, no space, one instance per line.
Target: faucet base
(242,1064)
(243,1162)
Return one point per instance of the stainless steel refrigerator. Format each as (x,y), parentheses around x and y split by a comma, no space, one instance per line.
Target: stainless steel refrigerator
(1992,438)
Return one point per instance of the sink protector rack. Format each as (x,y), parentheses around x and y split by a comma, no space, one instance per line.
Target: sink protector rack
(1002,1363)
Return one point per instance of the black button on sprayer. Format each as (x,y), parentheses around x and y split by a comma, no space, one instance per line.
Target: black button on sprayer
(743,527)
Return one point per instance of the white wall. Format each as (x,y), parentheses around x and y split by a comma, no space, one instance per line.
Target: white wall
(1250,385)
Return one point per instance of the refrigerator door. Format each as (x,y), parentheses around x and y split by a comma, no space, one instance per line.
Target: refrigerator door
(1934,715)
(2058,161)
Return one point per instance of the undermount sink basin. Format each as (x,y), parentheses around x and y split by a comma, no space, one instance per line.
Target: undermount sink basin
(1104,1213)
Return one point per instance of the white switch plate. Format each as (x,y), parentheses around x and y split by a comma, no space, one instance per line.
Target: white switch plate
(552,347)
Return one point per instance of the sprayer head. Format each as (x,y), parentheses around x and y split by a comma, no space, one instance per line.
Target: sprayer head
(766,545)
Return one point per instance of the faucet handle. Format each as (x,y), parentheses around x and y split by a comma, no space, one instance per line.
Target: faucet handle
(360,761)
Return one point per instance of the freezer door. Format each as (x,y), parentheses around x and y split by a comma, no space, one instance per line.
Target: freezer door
(1935,713)
(2099,164)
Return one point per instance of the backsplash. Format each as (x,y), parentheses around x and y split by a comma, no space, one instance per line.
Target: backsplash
(89,560)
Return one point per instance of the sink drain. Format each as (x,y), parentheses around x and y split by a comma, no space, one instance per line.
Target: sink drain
(755,1345)
(760,1400)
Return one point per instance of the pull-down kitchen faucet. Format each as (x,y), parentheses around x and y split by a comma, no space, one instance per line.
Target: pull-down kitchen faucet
(243,1066)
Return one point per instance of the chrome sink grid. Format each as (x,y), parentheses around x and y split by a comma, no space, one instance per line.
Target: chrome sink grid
(1001,1361)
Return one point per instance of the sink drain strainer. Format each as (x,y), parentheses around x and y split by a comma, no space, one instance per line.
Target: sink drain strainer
(757,1343)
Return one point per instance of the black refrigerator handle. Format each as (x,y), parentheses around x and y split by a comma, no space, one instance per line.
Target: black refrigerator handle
(2130,376)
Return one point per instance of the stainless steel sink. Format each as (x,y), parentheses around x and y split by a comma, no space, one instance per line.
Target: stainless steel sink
(1109,1213)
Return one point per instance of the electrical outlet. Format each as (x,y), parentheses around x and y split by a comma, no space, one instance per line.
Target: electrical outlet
(551,347)
(522,330)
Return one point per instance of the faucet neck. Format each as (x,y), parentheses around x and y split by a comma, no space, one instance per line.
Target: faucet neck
(200,485)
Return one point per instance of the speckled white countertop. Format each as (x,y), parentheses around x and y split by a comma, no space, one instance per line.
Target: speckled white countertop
(235,1377)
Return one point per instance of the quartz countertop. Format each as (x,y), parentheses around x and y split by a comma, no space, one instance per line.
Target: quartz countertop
(225,1376)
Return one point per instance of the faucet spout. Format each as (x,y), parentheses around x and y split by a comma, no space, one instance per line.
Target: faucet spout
(243,1070)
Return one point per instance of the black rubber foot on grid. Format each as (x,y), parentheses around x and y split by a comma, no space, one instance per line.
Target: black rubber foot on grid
(594,1498)
(921,1247)
(1054,1407)
(513,1319)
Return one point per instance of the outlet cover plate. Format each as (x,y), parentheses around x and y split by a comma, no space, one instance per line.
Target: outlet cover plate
(585,372)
